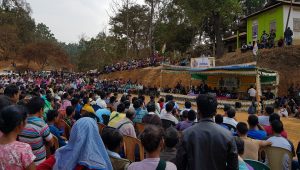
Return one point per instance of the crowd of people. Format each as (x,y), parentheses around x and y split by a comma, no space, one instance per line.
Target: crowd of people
(132,64)
(268,40)
(36,111)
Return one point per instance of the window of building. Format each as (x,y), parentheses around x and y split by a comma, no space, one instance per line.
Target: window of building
(273,25)
(296,25)
(254,29)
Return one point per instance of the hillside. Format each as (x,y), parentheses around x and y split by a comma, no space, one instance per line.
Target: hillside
(284,60)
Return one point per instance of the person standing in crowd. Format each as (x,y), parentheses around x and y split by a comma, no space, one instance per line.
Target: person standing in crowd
(36,132)
(12,91)
(152,140)
(252,146)
(252,93)
(126,126)
(256,131)
(272,39)
(264,119)
(288,33)
(264,39)
(113,140)
(14,155)
(207,145)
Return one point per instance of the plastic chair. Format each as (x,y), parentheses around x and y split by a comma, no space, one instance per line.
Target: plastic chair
(140,127)
(130,144)
(101,127)
(256,165)
(275,157)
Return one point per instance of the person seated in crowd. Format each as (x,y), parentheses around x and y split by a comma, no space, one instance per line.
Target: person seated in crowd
(161,103)
(126,126)
(219,121)
(140,112)
(36,132)
(171,140)
(77,106)
(151,108)
(269,129)
(156,105)
(170,98)
(111,104)
(191,117)
(152,140)
(151,119)
(283,111)
(101,100)
(70,112)
(117,116)
(113,140)
(13,92)
(187,106)
(87,106)
(207,145)
(229,118)
(85,150)
(255,130)
(240,145)
(169,113)
(252,146)
(278,141)
(102,111)
(264,119)
(52,120)
(14,155)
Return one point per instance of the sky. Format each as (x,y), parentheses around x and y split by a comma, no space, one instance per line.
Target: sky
(69,20)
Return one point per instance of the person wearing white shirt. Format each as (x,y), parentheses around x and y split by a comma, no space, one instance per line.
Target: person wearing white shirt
(229,118)
(187,106)
(252,93)
(264,119)
(168,114)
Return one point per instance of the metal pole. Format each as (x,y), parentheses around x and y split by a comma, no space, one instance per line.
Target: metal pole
(288,18)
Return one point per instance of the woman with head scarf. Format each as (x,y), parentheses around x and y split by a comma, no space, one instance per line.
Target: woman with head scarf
(85,150)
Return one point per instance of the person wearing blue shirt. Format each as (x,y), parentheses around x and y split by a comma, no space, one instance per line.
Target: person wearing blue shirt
(140,113)
(168,99)
(255,130)
(101,112)
(52,118)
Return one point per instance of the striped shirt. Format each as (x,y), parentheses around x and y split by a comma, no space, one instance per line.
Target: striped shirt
(34,133)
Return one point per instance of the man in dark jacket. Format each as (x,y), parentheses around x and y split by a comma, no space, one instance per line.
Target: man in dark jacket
(207,145)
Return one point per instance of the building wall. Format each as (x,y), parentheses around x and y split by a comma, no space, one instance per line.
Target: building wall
(264,20)
(295,15)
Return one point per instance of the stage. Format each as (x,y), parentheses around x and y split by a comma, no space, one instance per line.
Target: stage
(245,104)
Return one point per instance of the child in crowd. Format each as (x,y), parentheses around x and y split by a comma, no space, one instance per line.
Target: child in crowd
(14,155)
(52,120)
(70,111)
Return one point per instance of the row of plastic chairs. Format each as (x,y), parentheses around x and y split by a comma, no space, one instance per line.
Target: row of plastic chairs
(130,143)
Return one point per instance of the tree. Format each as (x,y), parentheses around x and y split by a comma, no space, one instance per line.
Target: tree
(252,6)
(43,33)
(135,30)
(212,17)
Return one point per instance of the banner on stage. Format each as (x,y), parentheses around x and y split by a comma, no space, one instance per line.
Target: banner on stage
(201,62)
